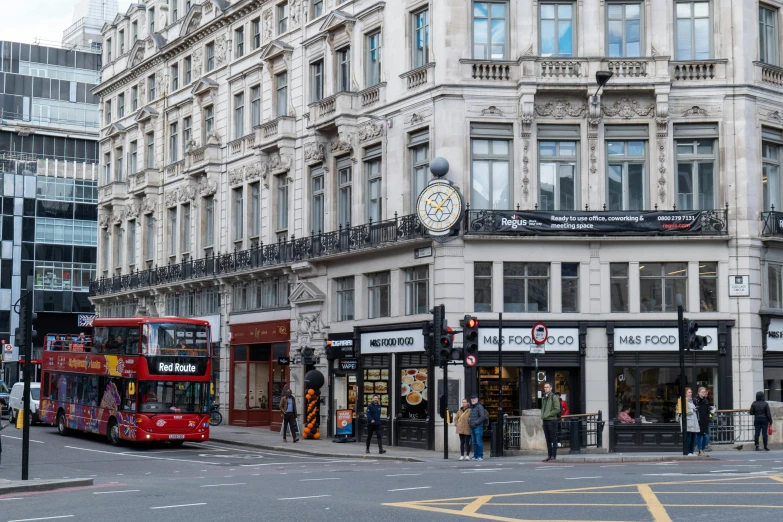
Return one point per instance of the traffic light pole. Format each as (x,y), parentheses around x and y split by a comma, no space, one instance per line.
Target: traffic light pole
(683,404)
(446,410)
(27,302)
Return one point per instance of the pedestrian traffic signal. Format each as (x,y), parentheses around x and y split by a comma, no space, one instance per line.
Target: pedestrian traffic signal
(692,340)
(470,337)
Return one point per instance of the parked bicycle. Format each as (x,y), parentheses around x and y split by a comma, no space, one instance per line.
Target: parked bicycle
(215,417)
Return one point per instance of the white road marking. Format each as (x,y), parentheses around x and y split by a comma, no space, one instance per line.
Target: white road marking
(31,440)
(220,485)
(42,518)
(128,454)
(409,489)
(613,465)
(506,482)
(405,475)
(480,471)
(313,480)
(580,478)
(302,498)
(111,492)
(13,498)
(180,505)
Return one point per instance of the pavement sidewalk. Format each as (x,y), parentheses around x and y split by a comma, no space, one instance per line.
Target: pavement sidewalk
(9,487)
(264,438)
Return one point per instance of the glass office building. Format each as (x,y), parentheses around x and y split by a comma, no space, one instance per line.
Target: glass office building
(48,183)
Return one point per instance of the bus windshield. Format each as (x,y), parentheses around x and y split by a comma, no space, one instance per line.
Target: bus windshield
(173,397)
(175,339)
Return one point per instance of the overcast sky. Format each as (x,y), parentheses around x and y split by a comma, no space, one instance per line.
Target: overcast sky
(26,20)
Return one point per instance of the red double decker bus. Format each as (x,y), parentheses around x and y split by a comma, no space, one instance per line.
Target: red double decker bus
(135,379)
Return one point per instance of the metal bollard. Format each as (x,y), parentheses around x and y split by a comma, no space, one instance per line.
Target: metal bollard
(575,435)
(493,440)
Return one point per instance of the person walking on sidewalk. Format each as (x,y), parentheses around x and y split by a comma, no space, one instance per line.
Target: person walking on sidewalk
(703,407)
(762,419)
(374,423)
(550,410)
(288,409)
(478,418)
(461,421)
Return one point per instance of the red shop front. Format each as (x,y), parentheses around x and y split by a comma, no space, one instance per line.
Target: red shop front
(257,379)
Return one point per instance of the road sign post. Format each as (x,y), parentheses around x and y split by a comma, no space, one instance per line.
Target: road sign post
(539,333)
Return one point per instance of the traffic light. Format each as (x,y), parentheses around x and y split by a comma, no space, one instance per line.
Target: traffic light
(21,330)
(429,338)
(444,348)
(692,340)
(470,336)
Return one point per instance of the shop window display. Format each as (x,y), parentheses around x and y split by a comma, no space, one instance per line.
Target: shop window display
(652,393)
(773,384)
(376,382)
(414,392)
(488,390)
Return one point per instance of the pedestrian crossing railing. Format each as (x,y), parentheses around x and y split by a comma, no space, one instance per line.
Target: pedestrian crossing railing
(590,425)
(731,426)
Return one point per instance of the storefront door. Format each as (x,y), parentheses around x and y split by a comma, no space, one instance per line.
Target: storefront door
(252,371)
(564,384)
(344,392)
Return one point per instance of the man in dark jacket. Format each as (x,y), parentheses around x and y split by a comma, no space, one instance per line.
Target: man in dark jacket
(703,407)
(374,423)
(478,416)
(288,409)
(762,418)
(550,411)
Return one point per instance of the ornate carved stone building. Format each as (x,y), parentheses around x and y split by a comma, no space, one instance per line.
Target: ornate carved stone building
(275,150)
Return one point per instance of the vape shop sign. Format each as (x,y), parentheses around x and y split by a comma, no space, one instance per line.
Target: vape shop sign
(395,341)
(657,339)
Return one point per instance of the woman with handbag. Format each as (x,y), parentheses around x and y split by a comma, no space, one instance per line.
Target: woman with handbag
(692,419)
(461,419)
(762,419)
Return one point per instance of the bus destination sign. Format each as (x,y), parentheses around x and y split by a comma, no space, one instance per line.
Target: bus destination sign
(177,365)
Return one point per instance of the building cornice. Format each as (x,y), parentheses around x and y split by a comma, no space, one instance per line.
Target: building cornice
(177,46)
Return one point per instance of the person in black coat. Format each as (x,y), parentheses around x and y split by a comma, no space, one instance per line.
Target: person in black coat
(703,406)
(762,418)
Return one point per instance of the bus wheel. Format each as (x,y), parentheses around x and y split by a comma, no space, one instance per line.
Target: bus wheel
(62,429)
(113,433)
(177,443)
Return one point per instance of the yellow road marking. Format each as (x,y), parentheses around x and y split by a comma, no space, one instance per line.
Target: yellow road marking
(470,505)
(717,493)
(653,504)
(476,504)
(744,506)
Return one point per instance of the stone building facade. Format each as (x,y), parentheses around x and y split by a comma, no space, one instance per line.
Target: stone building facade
(275,152)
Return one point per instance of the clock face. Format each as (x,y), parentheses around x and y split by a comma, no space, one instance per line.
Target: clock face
(439,207)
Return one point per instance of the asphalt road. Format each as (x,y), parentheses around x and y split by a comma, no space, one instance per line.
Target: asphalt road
(219,482)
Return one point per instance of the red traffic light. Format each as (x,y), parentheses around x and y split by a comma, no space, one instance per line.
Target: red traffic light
(445,341)
(472,323)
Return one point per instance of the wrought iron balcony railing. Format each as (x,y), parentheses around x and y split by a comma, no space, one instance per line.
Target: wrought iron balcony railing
(773,223)
(315,246)
(597,222)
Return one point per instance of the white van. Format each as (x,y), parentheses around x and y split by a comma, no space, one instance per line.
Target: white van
(16,403)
